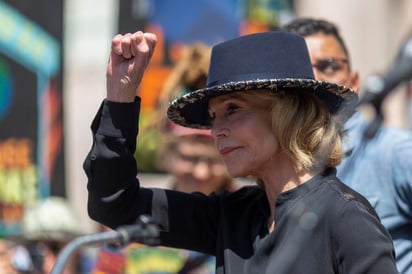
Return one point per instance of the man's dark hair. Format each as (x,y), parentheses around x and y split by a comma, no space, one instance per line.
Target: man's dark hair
(311,26)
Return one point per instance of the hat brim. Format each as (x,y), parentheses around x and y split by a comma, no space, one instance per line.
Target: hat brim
(191,109)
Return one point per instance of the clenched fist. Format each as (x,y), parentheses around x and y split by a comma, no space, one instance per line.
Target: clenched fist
(129,57)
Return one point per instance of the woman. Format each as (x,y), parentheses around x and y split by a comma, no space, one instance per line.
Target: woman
(270,119)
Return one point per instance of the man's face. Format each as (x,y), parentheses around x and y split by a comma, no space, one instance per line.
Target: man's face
(330,62)
(196,165)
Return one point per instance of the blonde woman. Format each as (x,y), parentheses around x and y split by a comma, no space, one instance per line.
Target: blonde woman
(269,119)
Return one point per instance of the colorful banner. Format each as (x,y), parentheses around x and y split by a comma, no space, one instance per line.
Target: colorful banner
(31,128)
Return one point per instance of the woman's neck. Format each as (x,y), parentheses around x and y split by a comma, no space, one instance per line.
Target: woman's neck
(286,178)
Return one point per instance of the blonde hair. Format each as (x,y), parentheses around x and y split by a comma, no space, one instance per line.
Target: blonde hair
(305,129)
(188,74)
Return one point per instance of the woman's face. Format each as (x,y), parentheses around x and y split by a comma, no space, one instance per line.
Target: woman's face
(196,166)
(241,127)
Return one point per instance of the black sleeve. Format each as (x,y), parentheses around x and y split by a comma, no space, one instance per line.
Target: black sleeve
(363,244)
(114,195)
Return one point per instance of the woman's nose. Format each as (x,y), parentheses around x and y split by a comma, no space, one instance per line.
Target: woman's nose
(219,129)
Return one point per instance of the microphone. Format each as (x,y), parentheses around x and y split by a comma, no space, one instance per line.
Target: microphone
(144,231)
(378,87)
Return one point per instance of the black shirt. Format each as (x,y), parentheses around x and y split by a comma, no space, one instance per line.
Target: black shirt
(322,226)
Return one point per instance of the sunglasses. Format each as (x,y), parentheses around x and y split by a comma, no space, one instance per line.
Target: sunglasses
(195,159)
(330,65)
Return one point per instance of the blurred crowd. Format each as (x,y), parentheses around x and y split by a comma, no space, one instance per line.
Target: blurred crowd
(47,227)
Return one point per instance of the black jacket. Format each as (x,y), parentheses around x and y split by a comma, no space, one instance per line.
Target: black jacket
(321,227)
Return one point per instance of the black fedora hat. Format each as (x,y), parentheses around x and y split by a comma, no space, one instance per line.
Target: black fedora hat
(273,61)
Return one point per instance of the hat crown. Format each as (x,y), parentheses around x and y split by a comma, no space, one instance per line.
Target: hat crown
(263,61)
(267,55)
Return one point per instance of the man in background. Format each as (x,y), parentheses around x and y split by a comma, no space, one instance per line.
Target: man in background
(379,168)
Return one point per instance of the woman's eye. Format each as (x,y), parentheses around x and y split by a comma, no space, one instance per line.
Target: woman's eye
(231,109)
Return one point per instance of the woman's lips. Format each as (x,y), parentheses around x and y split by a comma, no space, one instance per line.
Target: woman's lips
(226,150)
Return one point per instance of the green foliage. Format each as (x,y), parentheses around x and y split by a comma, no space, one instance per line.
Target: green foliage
(148,143)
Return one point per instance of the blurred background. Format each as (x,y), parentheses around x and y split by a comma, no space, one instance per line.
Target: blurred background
(53,55)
